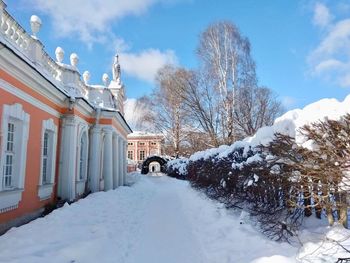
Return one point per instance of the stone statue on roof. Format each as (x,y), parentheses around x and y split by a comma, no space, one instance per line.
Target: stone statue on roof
(116,69)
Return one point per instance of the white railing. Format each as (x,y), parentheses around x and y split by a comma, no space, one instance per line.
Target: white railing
(22,41)
(12,30)
(49,65)
(33,50)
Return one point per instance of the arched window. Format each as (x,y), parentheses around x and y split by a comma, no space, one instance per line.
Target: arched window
(83,156)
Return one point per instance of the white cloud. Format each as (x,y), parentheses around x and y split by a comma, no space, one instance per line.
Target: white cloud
(89,20)
(322,16)
(330,60)
(328,65)
(336,40)
(145,65)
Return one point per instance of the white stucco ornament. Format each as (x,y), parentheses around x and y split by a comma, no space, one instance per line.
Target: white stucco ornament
(59,52)
(74,59)
(86,77)
(35,24)
(105,79)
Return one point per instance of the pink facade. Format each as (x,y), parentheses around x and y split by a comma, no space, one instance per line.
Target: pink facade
(60,137)
(142,145)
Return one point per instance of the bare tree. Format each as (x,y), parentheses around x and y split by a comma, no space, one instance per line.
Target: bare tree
(255,107)
(168,113)
(221,99)
(223,96)
(226,61)
(202,104)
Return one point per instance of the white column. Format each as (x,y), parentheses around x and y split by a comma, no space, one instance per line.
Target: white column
(120,161)
(115,161)
(125,161)
(67,170)
(94,159)
(107,160)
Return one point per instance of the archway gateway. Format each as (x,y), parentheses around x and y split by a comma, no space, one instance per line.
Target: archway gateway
(162,162)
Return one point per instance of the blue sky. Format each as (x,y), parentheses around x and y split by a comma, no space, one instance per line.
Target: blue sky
(301,48)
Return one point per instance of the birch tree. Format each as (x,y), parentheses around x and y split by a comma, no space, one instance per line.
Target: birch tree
(225,59)
(255,107)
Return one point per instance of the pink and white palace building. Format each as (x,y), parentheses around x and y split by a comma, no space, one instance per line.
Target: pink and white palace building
(60,136)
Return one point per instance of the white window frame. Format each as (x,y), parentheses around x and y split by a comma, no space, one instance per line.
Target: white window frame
(11,195)
(83,156)
(45,169)
(46,187)
(9,157)
(144,155)
(131,154)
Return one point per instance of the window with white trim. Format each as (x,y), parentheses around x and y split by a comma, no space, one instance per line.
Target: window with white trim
(9,157)
(48,158)
(142,155)
(131,155)
(13,154)
(47,150)
(83,156)
(81,160)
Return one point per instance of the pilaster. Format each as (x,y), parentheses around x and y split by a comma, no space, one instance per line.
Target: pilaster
(107,159)
(94,158)
(125,161)
(120,161)
(116,163)
(66,186)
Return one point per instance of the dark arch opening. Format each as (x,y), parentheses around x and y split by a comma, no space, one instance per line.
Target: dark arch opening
(162,162)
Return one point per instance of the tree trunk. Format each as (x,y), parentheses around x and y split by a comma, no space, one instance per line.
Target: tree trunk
(343,216)
(343,210)
(318,206)
(307,203)
(330,216)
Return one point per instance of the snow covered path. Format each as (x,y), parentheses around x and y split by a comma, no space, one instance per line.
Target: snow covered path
(158,219)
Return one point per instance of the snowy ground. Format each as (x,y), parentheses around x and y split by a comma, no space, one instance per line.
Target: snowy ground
(158,219)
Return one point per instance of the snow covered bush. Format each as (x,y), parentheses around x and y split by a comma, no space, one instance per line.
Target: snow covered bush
(177,168)
(242,178)
(295,168)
